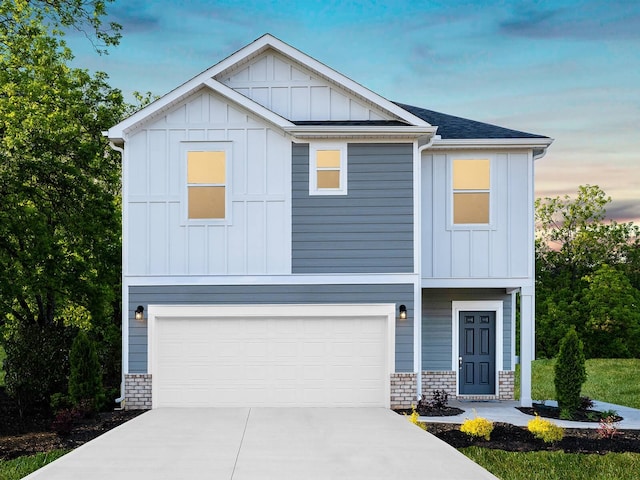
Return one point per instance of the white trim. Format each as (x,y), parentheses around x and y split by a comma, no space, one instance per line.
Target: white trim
(483,143)
(514,282)
(387,311)
(417,266)
(313,168)
(410,133)
(496,306)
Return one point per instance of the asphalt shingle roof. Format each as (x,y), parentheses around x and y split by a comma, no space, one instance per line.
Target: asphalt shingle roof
(450,127)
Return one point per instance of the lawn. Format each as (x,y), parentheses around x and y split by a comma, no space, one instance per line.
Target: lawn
(22,466)
(556,465)
(613,380)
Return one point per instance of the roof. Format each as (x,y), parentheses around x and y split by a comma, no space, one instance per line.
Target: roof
(451,127)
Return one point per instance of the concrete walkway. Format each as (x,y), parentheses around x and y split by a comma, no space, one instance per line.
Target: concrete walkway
(506,412)
(264,443)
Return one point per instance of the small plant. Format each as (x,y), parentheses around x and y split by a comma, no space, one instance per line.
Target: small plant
(608,427)
(566,414)
(478,427)
(545,430)
(609,413)
(585,403)
(413,418)
(438,401)
(64,420)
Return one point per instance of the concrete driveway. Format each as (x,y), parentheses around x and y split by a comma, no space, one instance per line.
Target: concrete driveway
(265,443)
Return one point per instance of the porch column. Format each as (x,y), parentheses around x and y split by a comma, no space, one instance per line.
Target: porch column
(527,342)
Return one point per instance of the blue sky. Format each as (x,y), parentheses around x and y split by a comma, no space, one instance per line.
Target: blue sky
(566,69)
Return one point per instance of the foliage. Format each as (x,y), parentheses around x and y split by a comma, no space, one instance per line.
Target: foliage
(570,372)
(85,379)
(59,181)
(64,421)
(556,465)
(573,242)
(22,466)
(608,426)
(36,365)
(414,418)
(478,427)
(3,355)
(545,430)
(439,400)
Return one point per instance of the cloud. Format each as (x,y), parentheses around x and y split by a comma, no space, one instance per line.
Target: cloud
(135,18)
(587,21)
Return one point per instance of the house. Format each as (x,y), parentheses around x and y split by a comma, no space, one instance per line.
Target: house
(291,238)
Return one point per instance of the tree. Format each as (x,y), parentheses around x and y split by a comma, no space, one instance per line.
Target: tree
(569,374)
(85,379)
(574,240)
(59,184)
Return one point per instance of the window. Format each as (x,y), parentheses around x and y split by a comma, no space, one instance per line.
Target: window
(206,185)
(471,191)
(327,170)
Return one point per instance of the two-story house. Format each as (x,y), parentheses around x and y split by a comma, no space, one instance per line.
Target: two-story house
(291,238)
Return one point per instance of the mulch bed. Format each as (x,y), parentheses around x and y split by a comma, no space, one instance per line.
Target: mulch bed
(518,439)
(33,434)
(548,411)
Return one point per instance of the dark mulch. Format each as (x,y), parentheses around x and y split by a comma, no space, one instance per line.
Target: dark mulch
(518,439)
(433,411)
(554,412)
(32,434)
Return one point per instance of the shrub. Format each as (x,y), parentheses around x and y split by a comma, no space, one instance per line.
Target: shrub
(439,401)
(608,427)
(586,403)
(413,418)
(37,364)
(64,420)
(85,380)
(478,427)
(545,430)
(570,372)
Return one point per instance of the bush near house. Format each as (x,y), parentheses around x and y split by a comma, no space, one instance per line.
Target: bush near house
(570,373)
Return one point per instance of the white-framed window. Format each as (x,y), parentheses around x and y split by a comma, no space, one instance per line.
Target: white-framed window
(471,191)
(327,169)
(206,181)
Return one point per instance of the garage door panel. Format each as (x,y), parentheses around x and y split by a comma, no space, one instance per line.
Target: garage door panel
(268,361)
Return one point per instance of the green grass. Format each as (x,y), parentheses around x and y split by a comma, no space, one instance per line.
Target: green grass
(22,466)
(556,465)
(610,380)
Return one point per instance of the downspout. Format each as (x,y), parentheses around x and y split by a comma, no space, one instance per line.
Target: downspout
(121,398)
(417,315)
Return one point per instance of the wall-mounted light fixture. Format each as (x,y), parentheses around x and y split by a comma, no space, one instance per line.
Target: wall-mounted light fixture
(140,313)
(403,312)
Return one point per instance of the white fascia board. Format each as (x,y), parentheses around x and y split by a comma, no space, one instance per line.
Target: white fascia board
(269,41)
(505,283)
(299,279)
(118,132)
(348,131)
(469,143)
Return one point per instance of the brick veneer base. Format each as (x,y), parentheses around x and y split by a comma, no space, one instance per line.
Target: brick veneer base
(438,380)
(137,391)
(507,384)
(403,390)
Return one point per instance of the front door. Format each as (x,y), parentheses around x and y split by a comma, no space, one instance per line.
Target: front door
(477,362)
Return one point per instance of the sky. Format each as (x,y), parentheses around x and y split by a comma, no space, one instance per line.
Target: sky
(566,69)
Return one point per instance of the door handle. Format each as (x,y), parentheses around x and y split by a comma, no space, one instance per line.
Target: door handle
(460,363)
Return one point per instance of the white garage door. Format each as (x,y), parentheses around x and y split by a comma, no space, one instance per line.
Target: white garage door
(271,355)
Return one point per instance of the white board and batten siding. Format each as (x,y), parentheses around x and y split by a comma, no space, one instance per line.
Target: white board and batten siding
(294,92)
(255,240)
(500,250)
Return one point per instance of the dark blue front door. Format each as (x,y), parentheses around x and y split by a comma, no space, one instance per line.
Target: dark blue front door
(477,362)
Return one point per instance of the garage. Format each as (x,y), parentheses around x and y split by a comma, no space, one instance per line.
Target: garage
(271,355)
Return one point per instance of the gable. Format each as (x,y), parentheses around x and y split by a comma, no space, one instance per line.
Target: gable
(297,93)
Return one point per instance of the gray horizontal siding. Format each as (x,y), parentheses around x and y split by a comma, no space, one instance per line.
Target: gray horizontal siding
(269,294)
(436,324)
(369,230)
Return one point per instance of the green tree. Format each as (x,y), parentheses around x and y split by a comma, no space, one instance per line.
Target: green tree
(85,379)
(573,240)
(569,373)
(613,315)
(59,184)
